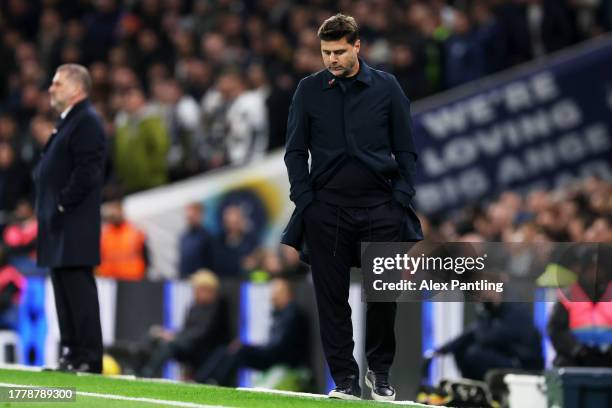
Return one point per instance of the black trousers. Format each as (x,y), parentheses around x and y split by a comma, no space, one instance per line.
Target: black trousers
(474,360)
(334,235)
(222,364)
(78,314)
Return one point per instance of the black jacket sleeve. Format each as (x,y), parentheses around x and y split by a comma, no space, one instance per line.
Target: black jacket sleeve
(296,150)
(197,327)
(87,146)
(402,144)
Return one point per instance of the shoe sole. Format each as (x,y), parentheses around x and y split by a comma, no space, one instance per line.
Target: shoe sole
(374,395)
(339,395)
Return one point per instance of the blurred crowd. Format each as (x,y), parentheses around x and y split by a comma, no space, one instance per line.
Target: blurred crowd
(186,86)
(581,212)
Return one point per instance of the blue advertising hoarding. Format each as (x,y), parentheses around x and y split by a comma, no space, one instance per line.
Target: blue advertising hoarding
(540,126)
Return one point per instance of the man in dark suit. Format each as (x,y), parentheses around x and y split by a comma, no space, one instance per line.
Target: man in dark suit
(355,123)
(69,181)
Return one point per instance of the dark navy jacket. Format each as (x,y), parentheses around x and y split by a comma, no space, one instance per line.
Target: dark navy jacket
(196,250)
(70,173)
(370,122)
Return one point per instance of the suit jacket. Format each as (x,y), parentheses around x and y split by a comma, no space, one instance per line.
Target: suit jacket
(370,123)
(70,173)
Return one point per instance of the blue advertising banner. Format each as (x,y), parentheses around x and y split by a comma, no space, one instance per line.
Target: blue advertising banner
(539,126)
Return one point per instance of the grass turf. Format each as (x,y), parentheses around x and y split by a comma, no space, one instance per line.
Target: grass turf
(194,393)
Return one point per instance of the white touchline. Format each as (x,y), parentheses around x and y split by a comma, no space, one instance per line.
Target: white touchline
(281,392)
(124,398)
(320,396)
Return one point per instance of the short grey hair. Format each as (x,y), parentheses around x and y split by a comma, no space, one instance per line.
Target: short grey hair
(79,74)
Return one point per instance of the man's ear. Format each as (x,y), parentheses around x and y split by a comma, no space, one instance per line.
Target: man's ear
(357,45)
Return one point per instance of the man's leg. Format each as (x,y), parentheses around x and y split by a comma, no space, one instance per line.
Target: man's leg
(256,357)
(82,298)
(475,360)
(380,335)
(64,317)
(163,352)
(383,224)
(206,372)
(330,240)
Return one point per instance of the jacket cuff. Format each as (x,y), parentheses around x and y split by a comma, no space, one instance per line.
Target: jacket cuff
(404,199)
(304,199)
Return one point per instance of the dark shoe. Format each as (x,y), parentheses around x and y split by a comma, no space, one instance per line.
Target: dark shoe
(348,389)
(91,368)
(64,366)
(379,384)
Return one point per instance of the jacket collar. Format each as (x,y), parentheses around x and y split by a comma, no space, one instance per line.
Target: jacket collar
(60,122)
(77,108)
(364,76)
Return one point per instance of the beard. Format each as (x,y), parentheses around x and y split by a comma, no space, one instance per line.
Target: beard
(56,104)
(341,71)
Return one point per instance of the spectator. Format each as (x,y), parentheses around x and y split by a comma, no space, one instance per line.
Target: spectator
(277,104)
(491,37)
(234,243)
(205,328)
(580,323)
(548,25)
(196,243)
(288,342)
(8,131)
(500,338)
(20,235)
(101,28)
(235,122)
(41,129)
(12,285)
(181,115)
(15,182)
(141,144)
(123,252)
(409,71)
(463,54)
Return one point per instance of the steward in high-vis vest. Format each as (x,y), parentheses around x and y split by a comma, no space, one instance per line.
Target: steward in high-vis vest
(123,247)
(580,325)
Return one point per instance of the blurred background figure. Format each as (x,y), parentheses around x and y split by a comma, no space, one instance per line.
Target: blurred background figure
(205,329)
(21,233)
(580,325)
(500,337)
(141,144)
(15,182)
(287,343)
(196,244)
(12,285)
(235,242)
(235,122)
(181,114)
(123,253)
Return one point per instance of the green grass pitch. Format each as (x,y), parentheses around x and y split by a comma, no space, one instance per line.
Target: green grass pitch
(159,394)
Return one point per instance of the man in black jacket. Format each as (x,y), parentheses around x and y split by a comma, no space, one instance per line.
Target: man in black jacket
(206,328)
(500,338)
(69,181)
(355,123)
